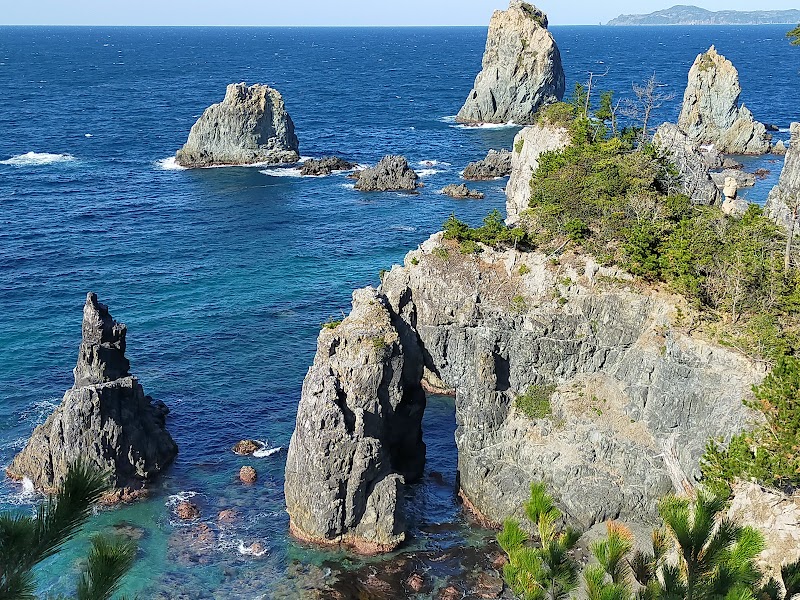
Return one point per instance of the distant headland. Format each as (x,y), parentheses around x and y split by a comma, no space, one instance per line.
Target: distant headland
(694,15)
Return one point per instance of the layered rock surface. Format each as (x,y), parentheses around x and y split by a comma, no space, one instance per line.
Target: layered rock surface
(521,71)
(105,419)
(392,173)
(635,398)
(687,157)
(462,192)
(787,193)
(496,164)
(529,145)
(711,113)
(249,126)
(358,436)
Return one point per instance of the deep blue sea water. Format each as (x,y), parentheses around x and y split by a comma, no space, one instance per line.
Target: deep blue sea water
(224,275)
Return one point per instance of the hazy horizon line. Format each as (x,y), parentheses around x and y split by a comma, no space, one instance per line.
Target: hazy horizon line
(485,26)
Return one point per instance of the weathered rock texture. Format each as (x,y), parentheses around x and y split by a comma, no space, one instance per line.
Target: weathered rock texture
(776,516)
(325,166)
(521,69)
(688,158)
(105,419)
(711,113)
(392,173)
(462,192)
(787,193)
(529,145)
(358,435)
(496,164)
(249,126)
(743,179)
(636,397)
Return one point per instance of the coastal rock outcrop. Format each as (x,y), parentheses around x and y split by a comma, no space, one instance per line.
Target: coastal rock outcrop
(392,173)
(711,113)
(326,165)
(743,179)
(632,398)
(249,126)
(521,71)
(785,196)
(688,159)
(529,145)
(105,419)
(496,164)
(462,192)
(358,436)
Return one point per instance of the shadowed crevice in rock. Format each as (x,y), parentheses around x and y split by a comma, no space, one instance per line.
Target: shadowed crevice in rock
(785,196)
(105,419)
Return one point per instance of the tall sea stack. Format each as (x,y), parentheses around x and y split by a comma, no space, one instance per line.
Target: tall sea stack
(521,69)
(105,419)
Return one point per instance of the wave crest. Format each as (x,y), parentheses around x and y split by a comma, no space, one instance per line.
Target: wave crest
(36,159)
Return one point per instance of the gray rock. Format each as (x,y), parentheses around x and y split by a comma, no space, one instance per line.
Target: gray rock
(635,401)
(496,164)
(787,193)
(358,435)
(392,173)
(728,163)
(105,419)
(249,126)
(779,148)
(529,145)
(461,192)
(742,178)
(711,113)
(521,72)
(685,154)
(325,166)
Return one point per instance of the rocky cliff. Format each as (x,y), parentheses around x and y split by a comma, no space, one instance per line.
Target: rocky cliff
(249,126)
(687,157)
(529,145)
(392,173)
(787,192)
(105,419)
(521,69)
(711,113)
(633,397)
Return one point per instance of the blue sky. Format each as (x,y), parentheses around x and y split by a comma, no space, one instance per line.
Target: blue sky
(328,12)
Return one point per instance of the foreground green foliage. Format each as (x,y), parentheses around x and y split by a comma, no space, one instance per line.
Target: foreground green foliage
(535,403)
(770,454)
(794,36)
(715,557)
(25,541)
(546,570)
(493,232)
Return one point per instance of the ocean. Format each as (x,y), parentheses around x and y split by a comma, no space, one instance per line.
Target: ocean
(224,275)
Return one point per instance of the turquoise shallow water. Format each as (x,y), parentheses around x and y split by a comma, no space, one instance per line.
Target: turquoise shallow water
(224,275)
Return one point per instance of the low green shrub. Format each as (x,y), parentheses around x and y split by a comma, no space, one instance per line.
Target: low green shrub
(535,403)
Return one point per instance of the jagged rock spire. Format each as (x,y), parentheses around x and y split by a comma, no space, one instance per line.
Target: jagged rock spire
(101,357)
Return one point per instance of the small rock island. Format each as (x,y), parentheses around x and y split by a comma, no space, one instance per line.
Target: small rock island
(249,126)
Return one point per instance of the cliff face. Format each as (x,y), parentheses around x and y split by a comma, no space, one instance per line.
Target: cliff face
(249,126)
(521,69)
(105,419)
(696,183)
(529,145)
(711,113)
(634,402)
(787,192)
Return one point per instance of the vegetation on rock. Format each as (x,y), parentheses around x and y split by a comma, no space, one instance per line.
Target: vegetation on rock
(535,403)
(26,541)
(794,36)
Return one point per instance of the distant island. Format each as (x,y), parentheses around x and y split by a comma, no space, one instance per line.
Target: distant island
(694,15)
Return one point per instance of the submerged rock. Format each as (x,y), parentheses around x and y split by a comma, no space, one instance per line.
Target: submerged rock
(317,167)
(249,126)
(247,447)
(496,164)
(461,192)
(786,194)
(392,173)
(105,419)
(529,145)
(521,71)
(247,474)
(711,113)
(187,511)
(358,436)
(687,157)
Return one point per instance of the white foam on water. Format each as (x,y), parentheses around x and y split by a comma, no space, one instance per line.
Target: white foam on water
(433,163)
(282,172)
(248,550)
(27,486)
(349,186)
(408,228)
(169,164)
(485,125)
(175,499)
(88,135)
(783,130)
(449,119)
(428,172)
(37,412)
(266,451)
(35,159)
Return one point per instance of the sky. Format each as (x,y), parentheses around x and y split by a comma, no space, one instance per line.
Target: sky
(330,12)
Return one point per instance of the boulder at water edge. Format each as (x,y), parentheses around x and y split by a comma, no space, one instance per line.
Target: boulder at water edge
(249,126)
(105,420)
